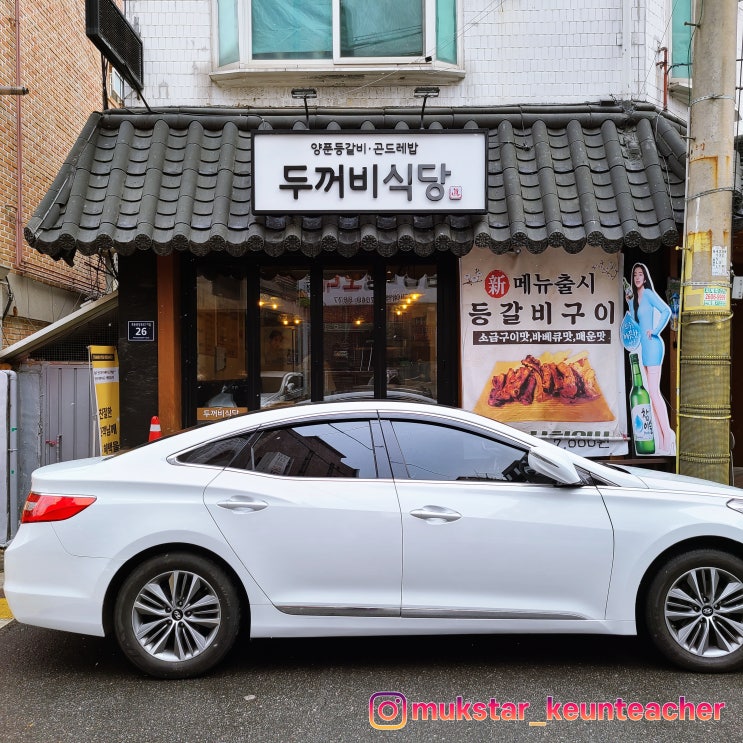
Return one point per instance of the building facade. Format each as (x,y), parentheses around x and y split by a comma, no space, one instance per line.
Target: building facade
(427,200)
(43,48)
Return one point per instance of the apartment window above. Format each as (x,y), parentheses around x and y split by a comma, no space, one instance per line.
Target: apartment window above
(268,37)
(681,36)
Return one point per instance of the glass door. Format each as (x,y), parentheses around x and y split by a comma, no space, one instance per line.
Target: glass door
(401,346)
(284,335)
(221,369)
(411,333)
(348,332)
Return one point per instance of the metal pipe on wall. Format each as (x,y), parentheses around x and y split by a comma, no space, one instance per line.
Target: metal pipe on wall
(9,396)
(18,142)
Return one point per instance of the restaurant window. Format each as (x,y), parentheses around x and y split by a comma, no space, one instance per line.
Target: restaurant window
(411,332)
(268,335)
(336,30)
(353,352)
(221,371)
(348,332)
(284,335)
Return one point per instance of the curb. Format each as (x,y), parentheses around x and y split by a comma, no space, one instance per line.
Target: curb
(5,614)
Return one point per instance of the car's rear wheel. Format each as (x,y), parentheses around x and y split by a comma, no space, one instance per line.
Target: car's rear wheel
(177,615)
(694,611)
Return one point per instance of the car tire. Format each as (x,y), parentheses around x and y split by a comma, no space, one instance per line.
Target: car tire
(177,615)
(694,611)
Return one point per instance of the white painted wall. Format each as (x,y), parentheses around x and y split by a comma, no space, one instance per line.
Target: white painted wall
(515,52)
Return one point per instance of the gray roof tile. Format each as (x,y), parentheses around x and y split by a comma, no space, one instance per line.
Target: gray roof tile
(179,179)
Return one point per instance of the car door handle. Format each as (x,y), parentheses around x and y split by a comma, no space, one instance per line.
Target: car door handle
(243,504)
(435,514)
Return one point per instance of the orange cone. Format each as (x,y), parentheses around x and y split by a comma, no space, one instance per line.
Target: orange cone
(155,432)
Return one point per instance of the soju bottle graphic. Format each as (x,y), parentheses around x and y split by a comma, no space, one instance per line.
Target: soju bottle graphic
(640,412)
(627,290)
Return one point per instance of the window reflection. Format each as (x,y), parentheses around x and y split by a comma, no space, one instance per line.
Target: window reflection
(220,331)
(284,335)
(216,453)
(384,28)
(440,453)
(241,363)
(348,331)
(411,332)
(338,449)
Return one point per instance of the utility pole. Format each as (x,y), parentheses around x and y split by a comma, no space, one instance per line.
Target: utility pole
(704,341)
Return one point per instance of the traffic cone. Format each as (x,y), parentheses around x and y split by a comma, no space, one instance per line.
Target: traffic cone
(155,432)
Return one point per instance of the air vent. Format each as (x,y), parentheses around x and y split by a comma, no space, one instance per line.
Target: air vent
(108,29)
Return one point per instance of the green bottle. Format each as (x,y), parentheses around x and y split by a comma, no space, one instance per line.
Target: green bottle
(640,413)
(627,290)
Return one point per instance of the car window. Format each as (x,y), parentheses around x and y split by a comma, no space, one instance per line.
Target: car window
(332,449)
(216,453)
(435,452)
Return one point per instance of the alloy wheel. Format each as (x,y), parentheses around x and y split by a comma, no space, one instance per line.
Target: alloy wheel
(704,612)
(176,615)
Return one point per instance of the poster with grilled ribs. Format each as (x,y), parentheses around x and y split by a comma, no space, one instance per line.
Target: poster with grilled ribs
(541,345)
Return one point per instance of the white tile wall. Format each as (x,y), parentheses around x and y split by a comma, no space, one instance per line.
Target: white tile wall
(516,51)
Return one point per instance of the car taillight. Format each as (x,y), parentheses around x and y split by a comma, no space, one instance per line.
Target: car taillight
(53,507)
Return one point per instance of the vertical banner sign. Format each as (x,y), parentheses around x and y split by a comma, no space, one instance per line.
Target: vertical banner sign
(104,363)
(541,347)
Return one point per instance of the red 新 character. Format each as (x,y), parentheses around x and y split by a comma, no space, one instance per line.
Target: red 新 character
(497,284)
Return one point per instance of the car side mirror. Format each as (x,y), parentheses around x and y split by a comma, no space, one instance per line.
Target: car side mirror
(552,463)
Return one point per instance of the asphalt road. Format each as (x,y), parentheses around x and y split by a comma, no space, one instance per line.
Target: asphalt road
(59,687)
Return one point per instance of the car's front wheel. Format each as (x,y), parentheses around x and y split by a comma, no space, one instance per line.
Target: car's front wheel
(177,615)
(694,611)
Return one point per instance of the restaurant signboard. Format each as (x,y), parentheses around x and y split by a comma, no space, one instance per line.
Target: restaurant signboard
(361,172)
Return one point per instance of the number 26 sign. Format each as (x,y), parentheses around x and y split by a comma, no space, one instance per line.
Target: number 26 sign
(141,330)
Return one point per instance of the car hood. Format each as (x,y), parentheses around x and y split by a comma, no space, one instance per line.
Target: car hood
(656,480)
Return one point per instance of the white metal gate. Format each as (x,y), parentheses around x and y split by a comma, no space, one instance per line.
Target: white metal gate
(68,425)
(46,416)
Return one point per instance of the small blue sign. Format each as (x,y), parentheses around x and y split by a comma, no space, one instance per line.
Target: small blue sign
(141,330)
(630,332)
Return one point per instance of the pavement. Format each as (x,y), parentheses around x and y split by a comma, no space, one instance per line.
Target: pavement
(5,614)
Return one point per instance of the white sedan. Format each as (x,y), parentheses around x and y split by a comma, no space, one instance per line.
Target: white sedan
(373,518)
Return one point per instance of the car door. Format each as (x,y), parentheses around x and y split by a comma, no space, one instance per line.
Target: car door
(311,511)
(483,538)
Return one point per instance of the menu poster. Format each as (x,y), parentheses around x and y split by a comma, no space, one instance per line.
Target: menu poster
(541,346)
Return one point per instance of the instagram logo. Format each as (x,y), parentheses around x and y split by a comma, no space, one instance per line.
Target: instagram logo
(388,710)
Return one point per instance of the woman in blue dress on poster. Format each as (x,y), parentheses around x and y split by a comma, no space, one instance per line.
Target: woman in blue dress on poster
(652,314)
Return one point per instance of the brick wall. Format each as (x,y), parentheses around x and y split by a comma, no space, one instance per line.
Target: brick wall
(61,69)
(16,328)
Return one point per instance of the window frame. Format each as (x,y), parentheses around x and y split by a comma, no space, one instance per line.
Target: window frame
(246,63)
(447,349)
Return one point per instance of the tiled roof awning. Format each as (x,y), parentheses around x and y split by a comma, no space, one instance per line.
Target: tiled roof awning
(180,179)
